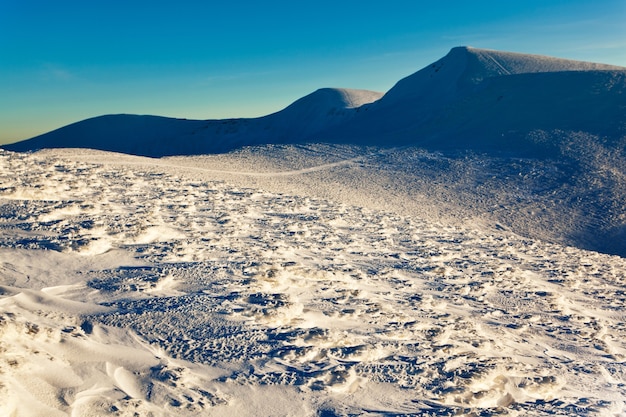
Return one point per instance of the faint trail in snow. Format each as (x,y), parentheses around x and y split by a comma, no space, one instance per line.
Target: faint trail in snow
(146,162)
(269,174)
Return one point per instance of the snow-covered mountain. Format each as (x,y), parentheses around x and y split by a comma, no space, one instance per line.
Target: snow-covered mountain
(470,99)
(489,100)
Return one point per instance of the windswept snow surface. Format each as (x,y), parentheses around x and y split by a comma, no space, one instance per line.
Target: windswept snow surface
(194,286)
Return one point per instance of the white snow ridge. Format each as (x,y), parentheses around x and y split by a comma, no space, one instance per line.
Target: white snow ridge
(447,249)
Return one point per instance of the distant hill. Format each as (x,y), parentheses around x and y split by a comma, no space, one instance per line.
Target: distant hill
(161,136)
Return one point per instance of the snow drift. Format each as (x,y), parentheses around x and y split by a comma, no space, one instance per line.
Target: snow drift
(162,287)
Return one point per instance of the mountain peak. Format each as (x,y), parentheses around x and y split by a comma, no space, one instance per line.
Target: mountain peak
(336,98)
(321,109)
(464,67)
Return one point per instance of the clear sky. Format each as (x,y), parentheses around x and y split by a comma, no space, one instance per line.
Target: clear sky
(64,61)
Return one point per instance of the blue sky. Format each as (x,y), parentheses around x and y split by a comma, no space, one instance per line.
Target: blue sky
(64,61)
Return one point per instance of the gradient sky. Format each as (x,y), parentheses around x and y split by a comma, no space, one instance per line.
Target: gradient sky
(64,61)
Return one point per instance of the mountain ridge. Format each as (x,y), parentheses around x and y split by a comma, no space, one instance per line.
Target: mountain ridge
(156,136)
(469,99)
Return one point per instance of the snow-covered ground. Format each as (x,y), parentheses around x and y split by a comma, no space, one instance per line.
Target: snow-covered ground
(300,282)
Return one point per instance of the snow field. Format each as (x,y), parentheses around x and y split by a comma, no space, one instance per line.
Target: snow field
(128,287)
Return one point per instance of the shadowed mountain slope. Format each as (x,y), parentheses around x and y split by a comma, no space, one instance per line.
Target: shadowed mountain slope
(488,100)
